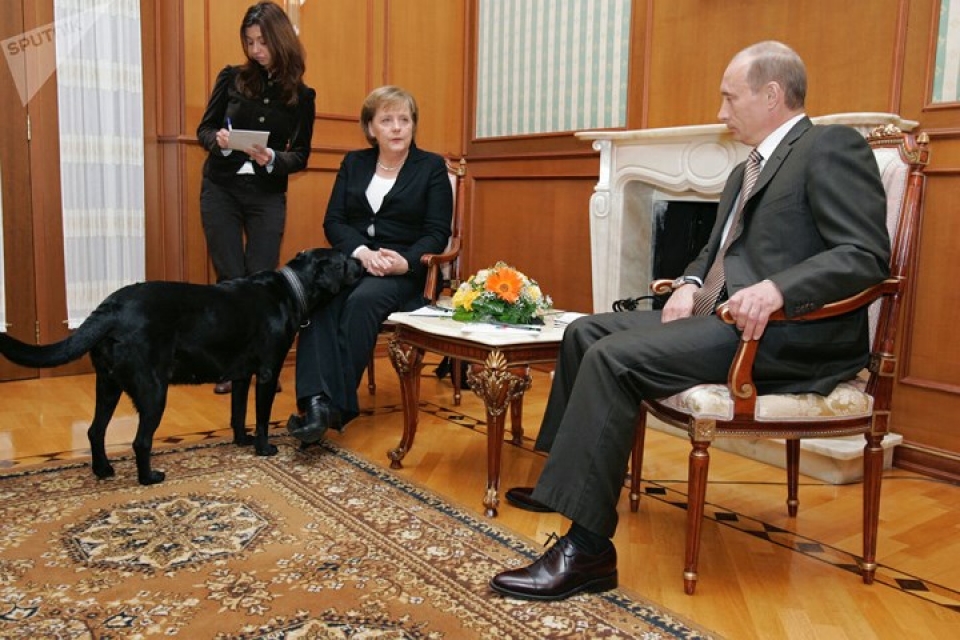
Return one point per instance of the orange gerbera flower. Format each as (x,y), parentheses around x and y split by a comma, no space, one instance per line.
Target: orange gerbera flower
(506,283)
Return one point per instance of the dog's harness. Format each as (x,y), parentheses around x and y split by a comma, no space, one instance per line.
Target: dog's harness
(293,280)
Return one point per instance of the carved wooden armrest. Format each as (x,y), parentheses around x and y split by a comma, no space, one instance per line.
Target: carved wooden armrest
(661,287)
(430,259)
(740,382)
(433,261)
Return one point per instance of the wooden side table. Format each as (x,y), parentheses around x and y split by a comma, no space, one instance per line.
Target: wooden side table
(499,373)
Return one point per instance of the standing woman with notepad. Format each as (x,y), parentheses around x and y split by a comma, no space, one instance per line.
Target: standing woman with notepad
(243,195)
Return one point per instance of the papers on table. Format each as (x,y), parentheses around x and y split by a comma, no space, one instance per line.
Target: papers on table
(564,318)
(241,139)
(488,327)
(433,311)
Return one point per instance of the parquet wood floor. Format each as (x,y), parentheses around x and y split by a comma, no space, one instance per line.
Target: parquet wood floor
(762,574)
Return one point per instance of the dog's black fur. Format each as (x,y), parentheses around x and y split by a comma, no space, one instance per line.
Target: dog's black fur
(147,336)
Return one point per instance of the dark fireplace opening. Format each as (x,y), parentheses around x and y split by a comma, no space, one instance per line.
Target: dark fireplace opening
(680,230)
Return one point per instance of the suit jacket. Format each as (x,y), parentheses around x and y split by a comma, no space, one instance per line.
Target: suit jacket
(414,218)
(290,127)
(815,226)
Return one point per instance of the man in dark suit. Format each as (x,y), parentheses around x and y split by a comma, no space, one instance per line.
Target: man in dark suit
(811,230)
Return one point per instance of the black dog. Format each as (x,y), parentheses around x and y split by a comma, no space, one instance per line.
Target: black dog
(147,336)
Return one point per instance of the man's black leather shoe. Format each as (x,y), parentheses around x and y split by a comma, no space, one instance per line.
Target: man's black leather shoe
(522,498)
(319,414)
(561,572)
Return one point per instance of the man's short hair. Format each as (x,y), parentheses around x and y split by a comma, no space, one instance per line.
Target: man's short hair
(772,61)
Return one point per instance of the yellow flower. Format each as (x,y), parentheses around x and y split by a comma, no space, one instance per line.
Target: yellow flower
(464,297)
(506,283)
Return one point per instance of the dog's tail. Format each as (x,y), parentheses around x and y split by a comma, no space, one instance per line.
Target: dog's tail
(87,335)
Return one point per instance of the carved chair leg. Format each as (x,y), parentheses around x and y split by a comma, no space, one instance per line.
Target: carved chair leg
(456,378)
(872,476)
(696,497)
(636,458)
(372,375)
(793,476)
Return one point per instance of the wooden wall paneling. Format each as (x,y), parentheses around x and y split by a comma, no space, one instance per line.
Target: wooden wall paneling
(154,236)
(196,261)
(169,57)
(223,47)
(164,69)
(342,42)
(928,390)
(537,223)
(641,40)
(933,316)
(306,206)
(849,69)
(928,387)
(191,73)
(198,70)
(425,55)
(18,231)
(919,63)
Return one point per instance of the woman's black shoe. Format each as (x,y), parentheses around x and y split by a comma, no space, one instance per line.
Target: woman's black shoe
(319,414)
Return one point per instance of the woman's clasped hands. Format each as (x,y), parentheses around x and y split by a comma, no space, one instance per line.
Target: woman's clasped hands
(382,262)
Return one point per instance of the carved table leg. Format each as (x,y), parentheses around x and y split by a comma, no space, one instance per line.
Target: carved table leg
(498,386)
(516,414)
(408,361)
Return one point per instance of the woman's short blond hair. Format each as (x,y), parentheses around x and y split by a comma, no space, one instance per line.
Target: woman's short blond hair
(386,96)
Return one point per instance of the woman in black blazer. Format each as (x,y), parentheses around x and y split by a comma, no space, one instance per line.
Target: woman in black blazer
(243,199)
(390,204)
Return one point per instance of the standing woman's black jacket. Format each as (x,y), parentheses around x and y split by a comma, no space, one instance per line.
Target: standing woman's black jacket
(290,127)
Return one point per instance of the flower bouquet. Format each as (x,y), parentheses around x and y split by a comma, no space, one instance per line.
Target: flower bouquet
(500,294)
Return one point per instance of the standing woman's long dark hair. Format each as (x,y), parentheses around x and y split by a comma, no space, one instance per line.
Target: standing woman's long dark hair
(287,56)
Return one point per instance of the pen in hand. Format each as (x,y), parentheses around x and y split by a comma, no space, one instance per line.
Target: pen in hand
(229,124)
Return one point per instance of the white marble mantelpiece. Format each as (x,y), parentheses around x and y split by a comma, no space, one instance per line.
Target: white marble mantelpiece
(641,167)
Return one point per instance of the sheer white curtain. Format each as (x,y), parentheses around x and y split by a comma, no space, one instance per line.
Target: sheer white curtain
(100,87)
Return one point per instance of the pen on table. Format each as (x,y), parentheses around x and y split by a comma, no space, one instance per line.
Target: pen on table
(520,327)
(436,307)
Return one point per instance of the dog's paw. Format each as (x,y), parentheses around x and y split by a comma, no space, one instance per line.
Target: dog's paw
(267,450)
(155,477)
(105,471)
(243,440)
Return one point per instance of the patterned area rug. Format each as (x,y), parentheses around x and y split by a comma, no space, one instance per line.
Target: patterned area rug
(313,543)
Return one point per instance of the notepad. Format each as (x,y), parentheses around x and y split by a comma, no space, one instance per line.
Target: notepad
(241,139)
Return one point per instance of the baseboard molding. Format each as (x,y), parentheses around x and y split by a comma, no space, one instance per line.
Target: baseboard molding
(928,461)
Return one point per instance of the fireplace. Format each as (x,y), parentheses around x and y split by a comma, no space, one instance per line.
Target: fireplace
(643,173)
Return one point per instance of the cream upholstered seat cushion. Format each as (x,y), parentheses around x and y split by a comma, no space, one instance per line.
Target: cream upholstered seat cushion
(712,401)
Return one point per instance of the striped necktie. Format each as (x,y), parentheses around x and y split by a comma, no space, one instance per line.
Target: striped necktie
(705,299)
